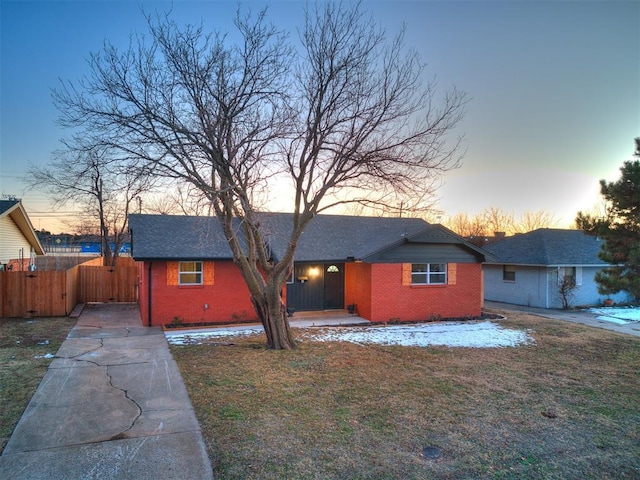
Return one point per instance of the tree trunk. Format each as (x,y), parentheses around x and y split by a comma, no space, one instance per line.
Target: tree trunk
(272,312)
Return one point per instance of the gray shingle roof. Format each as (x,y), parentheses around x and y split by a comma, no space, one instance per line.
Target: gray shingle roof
(326,238)
(180,237)
(6,205)
(548,246)
(338,237)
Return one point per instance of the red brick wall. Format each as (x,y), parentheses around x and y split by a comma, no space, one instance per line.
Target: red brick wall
(227,299)
(357,290)
(391,300)
(376,289)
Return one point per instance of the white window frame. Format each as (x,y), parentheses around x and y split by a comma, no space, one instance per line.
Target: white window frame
(429,273)
(511,270)
(196,270)
(577,274)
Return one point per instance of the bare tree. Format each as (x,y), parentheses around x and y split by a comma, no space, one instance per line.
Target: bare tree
(530,221)
(486,223)
(466,226)
(493,220)
(497,220)
(103,188)
(181,200)
(567,290)
(343,117)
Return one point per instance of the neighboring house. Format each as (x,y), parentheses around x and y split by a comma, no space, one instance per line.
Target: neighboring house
(19,243)
(390,268)
(531,267)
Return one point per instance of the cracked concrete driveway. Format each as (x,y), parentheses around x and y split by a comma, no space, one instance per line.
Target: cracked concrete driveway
(112,405)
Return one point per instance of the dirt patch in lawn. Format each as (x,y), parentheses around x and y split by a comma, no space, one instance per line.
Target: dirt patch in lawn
(25,345)
(566,407)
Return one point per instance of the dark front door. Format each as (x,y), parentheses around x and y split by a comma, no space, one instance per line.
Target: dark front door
(333,286)
(316,287)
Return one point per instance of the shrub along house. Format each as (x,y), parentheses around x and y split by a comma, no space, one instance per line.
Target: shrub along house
(391,268)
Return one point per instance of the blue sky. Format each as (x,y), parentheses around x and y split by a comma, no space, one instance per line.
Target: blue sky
(555,87)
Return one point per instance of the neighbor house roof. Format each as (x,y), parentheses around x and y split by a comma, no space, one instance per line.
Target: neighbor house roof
(326,237)
(14,210)
(547,246)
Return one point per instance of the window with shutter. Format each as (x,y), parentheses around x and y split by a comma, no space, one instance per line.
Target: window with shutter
(428,273)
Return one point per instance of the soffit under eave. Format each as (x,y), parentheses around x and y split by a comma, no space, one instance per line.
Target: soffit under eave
(544,265)
(20,218)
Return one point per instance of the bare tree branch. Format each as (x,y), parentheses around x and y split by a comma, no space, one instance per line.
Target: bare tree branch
(343,117)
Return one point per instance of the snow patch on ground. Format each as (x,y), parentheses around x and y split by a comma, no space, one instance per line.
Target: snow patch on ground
(46,355)
(483,334)
(619,315)
(451,334)
(197,337)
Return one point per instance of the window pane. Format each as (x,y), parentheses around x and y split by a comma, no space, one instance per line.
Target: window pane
(568,275)
(190,273)
(428,273)
(438,278)
(190,267)
(190,278)
(419,278)
(509,273)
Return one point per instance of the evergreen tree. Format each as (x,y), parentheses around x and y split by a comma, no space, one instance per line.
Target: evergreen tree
(620,230)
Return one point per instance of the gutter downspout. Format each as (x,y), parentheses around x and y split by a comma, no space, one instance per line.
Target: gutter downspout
(149,295)
(547,274)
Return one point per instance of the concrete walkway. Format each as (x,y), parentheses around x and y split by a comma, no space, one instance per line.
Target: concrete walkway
(576,316)
(112,405)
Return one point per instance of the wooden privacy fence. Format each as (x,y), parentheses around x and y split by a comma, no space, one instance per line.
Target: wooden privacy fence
(107,284)
(56,293)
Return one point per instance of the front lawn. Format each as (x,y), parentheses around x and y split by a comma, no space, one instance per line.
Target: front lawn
(564,407)
(26,349)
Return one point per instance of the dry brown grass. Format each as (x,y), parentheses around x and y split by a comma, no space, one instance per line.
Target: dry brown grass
(566,408)
(21,340)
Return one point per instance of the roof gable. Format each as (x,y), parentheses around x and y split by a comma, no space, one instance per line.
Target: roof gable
(450,246)
(14,210)
(547,246)
(7,205)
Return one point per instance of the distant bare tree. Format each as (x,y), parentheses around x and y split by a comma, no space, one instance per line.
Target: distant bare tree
(180,200)
(343,117)
(486,223)
(493,220)
(530,221)
(466,226)
(104,189)
(497,220)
